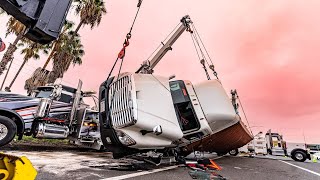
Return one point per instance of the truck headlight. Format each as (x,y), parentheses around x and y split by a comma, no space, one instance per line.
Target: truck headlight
(125,139)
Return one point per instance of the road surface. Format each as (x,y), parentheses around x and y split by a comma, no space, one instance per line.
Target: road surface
(96,165)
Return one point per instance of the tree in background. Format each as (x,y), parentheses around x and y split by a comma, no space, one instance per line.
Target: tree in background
(17,28)
(90,12)
(40,76)
(30,50)
(56,47)
(72,53)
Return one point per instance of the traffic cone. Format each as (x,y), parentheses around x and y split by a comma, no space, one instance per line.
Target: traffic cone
(214,165)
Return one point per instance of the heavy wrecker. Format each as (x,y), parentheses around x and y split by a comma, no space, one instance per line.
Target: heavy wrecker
(52,111)
(272,143)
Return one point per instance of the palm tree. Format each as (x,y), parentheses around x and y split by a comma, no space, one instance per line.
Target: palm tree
(40,75)
(72,53)
(90,12)
(56,46)
(17,28)
(31,50)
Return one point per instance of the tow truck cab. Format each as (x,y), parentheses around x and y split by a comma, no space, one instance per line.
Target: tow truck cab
(277,146)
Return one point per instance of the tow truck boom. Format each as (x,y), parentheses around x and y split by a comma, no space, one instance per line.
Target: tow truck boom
(148,65)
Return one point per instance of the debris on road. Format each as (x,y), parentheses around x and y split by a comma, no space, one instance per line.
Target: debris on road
(204,169)
(204,175)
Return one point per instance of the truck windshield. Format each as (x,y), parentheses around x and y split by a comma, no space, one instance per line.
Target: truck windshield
(44,92)
(183,106)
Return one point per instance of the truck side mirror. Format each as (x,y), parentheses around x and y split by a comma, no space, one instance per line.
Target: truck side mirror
(56,93)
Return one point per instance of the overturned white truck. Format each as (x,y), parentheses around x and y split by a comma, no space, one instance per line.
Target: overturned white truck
(144,112)
(141,111)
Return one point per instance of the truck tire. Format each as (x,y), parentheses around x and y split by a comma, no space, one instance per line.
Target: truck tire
(299,155)
(8,130)
(234,152)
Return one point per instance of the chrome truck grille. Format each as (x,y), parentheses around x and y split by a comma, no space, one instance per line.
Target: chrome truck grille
(121,109)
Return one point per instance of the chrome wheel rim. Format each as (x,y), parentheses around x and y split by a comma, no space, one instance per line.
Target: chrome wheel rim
(233,152)
(3,131)
(299,156)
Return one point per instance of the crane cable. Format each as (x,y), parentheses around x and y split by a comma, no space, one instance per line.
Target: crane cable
(201,59)
(196,38)
(244,113)
(122,53)
(126,43)
(212,66)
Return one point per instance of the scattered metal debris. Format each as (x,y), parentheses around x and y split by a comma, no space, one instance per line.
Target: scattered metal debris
(205,175)
(204,169)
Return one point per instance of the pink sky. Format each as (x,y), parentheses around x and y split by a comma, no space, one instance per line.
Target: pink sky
(268,50)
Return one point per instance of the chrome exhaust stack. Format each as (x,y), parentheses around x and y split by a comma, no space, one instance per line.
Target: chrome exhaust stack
(43,108)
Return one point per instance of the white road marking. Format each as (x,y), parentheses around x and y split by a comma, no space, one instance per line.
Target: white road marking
(312,172)
(140,173)
(97,175)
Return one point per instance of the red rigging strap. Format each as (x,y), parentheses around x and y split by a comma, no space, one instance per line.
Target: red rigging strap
(126,43)
(122,53)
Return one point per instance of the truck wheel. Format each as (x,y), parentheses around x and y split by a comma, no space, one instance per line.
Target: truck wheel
(234,152)
(299,156)
(8,130)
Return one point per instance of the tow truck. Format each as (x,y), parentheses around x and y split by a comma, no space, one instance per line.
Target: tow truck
(273,143)
(52,112)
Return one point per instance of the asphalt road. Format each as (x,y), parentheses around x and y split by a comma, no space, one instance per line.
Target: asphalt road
(95,165)
(244,168)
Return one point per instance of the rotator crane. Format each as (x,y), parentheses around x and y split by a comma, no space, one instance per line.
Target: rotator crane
(148,65)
